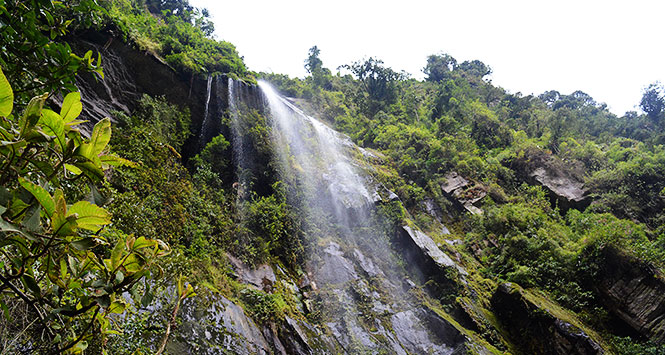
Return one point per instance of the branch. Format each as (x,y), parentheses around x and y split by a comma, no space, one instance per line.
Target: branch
(168,326)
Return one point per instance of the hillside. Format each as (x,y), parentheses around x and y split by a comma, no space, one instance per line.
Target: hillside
(220,210)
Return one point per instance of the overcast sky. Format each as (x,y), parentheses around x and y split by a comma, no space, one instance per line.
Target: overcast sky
(608,49)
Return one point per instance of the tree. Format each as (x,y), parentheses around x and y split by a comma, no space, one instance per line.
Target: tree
(313,62)
(439,67)
(378,82)
(653,102)
(474,69)
(321,77)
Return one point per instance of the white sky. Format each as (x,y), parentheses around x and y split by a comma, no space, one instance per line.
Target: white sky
(608,49)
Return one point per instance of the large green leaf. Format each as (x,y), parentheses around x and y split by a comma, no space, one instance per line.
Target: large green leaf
(101,135)
(54,126)
(71,107)
(89,216)
(42,196)
(6,96)
(31,114)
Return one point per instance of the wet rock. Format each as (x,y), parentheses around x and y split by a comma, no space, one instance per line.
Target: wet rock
(535,329)
(219,327)
(366,264)
(335,269)
(421,243)
(130,73)
(262,277)
(633,291)
(413,335)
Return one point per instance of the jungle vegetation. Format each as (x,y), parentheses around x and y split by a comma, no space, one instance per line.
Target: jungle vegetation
(85,220)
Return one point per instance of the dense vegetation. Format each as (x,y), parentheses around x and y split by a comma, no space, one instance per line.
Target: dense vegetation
(84,220)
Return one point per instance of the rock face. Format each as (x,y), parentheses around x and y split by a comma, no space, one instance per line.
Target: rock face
(564,184)
(632,291)
(422,249)
(261,277)
(128,74)
(535,329)
(216,325)
(463,193)
(568,191)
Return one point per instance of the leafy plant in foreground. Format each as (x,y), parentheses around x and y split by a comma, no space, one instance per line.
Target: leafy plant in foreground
(55,257)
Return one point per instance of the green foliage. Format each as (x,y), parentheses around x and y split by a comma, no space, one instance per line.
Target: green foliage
(269,227)
(34,57)
(214,156)
(159,197)
(178,32)
(653,102)
(263,307)
(379,84)
(55,256)
(627,346)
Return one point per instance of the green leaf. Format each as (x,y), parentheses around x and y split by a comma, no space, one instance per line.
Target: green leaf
(84,244)
(90,169)
(5,311)
(30,283)
(6,96)
(89,216)
(116,307)
(7,227)
(80,347)
(32,112)
(116,254)
(101,135)
(63,268)
(32,222)
(54,126)
(142,242)
(73,169)
(104,301)
(114,160)
(42,196)
(147,298)
(71,107)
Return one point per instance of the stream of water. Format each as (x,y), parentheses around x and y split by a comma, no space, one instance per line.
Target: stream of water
(366,298)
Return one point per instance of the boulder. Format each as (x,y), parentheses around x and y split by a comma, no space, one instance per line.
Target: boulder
(563,182)
(536,328)
(462,193)
(562,187)
(261,277)
(633,291)
(422,247)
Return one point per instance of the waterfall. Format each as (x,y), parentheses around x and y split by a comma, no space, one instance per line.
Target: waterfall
(204,124)
(367,298)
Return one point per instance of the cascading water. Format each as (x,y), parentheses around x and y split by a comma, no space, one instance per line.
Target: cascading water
(366,298)
(204,125)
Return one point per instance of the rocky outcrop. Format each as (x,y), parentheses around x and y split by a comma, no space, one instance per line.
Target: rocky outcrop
(262,276)
(129,74)
(463,193)
(535,329)
(568,191)
(633,291)
(420,248)
(563,183)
